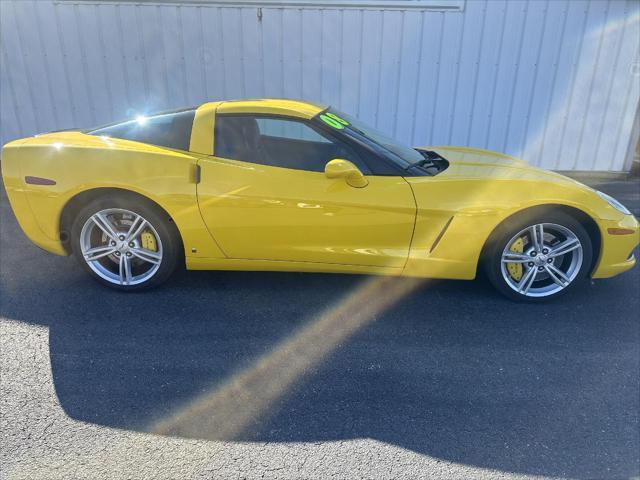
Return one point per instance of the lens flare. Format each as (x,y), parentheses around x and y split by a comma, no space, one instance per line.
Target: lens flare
(226,411)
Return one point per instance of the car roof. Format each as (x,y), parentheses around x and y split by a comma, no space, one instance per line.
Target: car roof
(275,106)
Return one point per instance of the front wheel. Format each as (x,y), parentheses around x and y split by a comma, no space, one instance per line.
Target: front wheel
(125,243)
(538,258)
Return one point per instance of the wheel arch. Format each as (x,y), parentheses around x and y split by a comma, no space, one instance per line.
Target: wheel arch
(580,216)
(79,200)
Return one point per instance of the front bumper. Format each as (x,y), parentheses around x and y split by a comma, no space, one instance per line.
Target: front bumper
(616,251)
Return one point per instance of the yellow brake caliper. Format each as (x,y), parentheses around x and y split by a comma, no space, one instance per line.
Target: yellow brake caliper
(515,269)
(148,241)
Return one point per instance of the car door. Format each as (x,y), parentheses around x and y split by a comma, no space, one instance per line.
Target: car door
(264,196)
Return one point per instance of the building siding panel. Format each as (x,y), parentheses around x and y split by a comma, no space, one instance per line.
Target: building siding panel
(556,82)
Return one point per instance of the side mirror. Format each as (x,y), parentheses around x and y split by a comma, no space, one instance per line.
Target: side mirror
(339,168)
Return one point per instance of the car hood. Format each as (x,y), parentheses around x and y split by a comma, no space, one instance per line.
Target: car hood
(476,163)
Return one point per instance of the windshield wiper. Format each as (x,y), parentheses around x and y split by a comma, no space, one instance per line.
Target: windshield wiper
(429,160)
(425,162)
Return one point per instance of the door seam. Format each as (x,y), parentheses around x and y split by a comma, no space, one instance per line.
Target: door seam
(415,221)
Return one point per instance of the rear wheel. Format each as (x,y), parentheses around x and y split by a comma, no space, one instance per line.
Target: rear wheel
(538,258)
(125,243)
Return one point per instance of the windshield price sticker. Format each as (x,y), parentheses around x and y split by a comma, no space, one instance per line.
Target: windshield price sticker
(337,118)
(333,120)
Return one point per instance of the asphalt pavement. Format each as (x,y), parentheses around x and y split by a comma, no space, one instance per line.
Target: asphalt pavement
(291,375)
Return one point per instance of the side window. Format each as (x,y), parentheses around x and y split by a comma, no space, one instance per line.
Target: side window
(282,128)
(172,130)
(279,142)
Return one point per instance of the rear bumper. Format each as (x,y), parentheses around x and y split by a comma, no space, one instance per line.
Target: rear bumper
(29,224)
(16,190)
(616,253)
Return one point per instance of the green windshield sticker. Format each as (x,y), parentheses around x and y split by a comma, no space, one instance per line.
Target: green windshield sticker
(332,122)
(337,118)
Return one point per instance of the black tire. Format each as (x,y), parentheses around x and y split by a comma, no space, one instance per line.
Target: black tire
(504,233)
(172,250)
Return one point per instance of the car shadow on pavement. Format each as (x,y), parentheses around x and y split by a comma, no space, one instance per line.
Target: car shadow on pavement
(451,371)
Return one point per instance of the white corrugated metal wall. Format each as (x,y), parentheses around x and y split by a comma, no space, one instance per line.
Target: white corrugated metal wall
(556,81)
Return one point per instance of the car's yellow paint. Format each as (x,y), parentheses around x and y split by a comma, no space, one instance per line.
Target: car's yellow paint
(340,168)
(615,253)
(201,134)
(79,162)
(244,216)
(480,190)
(262,212)
(269,106)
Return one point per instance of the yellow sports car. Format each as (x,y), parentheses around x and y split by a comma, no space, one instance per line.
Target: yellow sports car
(294,186)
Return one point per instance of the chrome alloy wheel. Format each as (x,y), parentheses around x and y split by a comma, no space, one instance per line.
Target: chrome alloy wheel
(121,246)
(541,260)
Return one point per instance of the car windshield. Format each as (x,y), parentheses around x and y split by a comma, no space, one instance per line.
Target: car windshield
(403,154)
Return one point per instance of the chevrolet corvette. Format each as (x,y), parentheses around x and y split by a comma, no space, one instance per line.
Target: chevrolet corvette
(286,185)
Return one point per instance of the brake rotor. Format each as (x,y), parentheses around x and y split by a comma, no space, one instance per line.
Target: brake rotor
(515,269)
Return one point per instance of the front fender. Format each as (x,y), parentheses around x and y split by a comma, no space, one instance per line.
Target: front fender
(461,213)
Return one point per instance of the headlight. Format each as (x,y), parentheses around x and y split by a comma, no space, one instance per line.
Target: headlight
(614,203)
